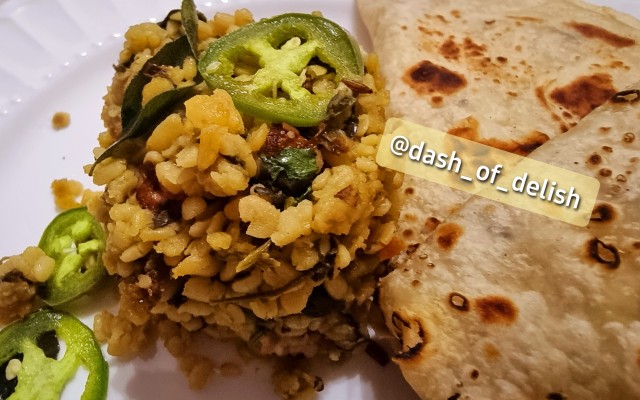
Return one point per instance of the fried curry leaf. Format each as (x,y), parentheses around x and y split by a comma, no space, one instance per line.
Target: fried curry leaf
(190,25)
(138,121)
(157,109)
(171,54)
(292,169)
(296,164)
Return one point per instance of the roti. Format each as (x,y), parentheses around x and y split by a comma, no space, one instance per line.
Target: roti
(506,304)
(510,74)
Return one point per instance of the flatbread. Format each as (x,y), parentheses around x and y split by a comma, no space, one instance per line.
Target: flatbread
(510,74)
(506,304)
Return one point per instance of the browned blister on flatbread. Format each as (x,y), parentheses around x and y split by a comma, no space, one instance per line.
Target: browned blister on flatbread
(521,306)
(508,74)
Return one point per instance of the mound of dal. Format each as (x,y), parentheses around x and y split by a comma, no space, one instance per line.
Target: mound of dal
(204,237)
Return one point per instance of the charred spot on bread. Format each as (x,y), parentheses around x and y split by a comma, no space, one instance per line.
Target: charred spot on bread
(410,217)
(584,94)
(449,49)
(594,159)
(426,77)
(595,32)
(412,336)
(555,396)
(541,97)
(531,142)
(447,235)
(605,172)
(496,310)
(626,96)
(491,351)
(603,212)
(524,18)
(603,253)
(468,128)
(412,248)
(431,223)
(628,137)
(473,49)
(458,301)
(436,101)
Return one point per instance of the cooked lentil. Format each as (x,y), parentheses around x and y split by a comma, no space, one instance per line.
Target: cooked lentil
(60,120)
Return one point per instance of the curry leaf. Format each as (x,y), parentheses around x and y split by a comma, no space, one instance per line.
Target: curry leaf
(190,25)
(171,54)
(296,164)
(157,109)
(291,170)
(137,121)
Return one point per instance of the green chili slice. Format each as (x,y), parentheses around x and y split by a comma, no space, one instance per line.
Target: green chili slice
(28,355)
(283,45)
(75,240)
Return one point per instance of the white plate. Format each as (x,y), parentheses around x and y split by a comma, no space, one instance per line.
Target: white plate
(57,56)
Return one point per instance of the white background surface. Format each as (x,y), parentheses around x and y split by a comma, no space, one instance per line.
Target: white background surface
(56,55)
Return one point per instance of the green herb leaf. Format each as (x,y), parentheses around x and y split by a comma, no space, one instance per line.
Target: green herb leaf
(190,25)
(296,164)
(171,54)
(157,109)
(291,170)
